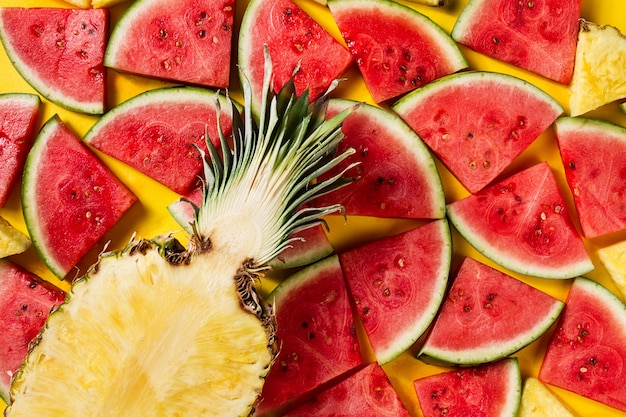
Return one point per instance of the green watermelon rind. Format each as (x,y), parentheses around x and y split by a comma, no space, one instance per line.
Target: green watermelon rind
(413,145)
(496,351)
(33,224)
(43,88)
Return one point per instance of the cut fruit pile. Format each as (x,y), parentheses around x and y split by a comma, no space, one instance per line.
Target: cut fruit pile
(409,216)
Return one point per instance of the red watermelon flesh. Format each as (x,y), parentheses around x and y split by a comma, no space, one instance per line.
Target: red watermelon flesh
(26,303)
(487,315)
(538,36)
(491,390)
(60,53)
(294,40)
(18,114)
(315,332)
(397,284)
(187,41)
(587,354)
(157,133)
(594,158)
(311,244)
(474,136)
(396,48)
(70,199)
(365,393)
(522,223)
(396,175)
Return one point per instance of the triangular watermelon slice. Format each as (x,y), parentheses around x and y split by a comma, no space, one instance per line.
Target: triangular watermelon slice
(594,159)
(70,199)
(522,223)
(397,48)
(469,131)
(60,53)
(315,333)
(538,36)
(397,284)
(25,302)
(18,115)
(489,390)
(396,176)
(367,392)
(587,352)
(295,41)
(487,315)
(187,41)
(160,131)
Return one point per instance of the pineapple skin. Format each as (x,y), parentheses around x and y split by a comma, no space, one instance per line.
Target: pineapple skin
(155,332)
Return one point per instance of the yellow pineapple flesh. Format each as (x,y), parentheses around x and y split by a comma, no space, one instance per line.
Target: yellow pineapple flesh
(12,241)
(613,257)
(539,401)
(600,68)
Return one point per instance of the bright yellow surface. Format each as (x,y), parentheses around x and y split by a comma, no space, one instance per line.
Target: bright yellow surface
(149,217)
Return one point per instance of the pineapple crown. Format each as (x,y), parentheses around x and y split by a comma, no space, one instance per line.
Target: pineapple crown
(262,186)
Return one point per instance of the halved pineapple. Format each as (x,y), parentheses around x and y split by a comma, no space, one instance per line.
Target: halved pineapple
(599,69)
(613,257)
(160,330)
(539,401)
(12,241)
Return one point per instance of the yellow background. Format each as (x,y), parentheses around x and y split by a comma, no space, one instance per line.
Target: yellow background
(149,216)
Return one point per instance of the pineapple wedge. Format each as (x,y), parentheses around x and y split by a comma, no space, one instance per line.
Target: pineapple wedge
(539,401)
(613,257)
(599,68)
(12,241)
(160,330)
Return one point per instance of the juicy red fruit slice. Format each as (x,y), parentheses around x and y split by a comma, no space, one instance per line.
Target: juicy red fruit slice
(18,114)
(484,391)
(368,392)
(315,332)
(188,41)
(70,199)
(60,52)
(586,354)
(295,41)
(25,302)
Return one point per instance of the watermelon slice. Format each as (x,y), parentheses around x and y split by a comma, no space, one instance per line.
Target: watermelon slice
(487,316)
(397,49)
(18,115)
(26,303)
(522,223)
(594,158)
(492,390)
(59,52)
(474,136)
(159,132)
(396,175)
(69,197)
(397,284)
(186,41)
(586,354)
(295,41)
(538,36)
(365,393)
(315,331)
(310,245)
